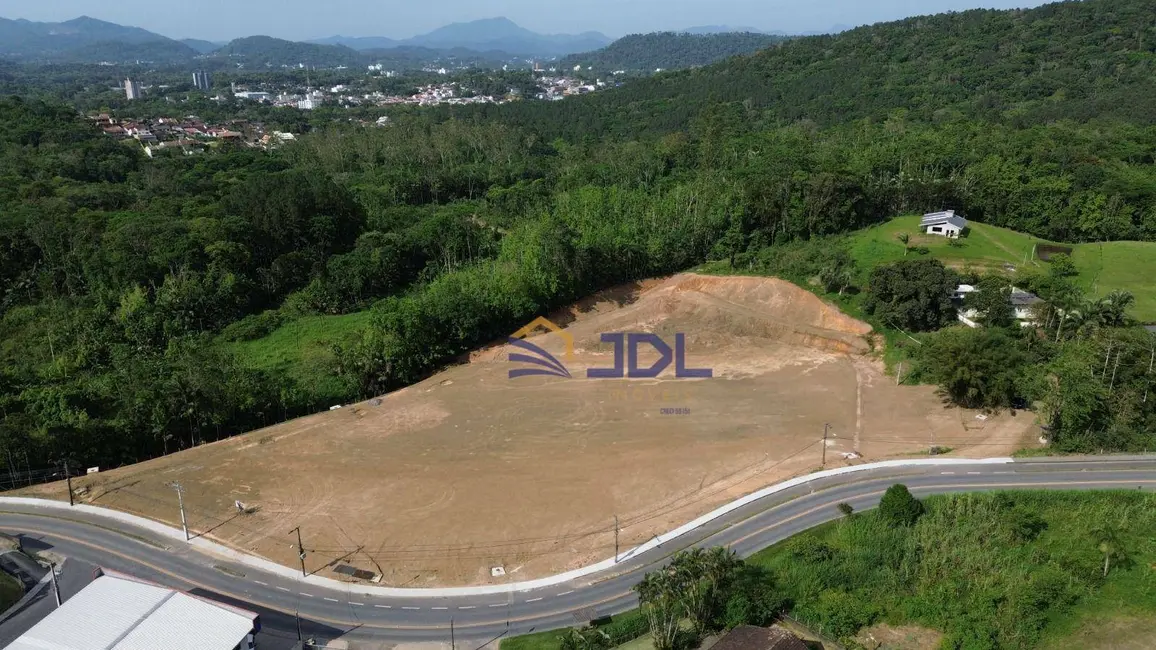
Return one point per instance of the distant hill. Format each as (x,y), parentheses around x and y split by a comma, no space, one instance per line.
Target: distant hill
(203,47)
(266,50)
(358,43)
(1078,61)
(722,29)
(502,34)
(669,51)
(85,39)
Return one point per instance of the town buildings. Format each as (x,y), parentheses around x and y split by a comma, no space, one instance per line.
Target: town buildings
(132,90)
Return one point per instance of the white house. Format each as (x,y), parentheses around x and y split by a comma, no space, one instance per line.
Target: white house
(1023,305)
(946,224)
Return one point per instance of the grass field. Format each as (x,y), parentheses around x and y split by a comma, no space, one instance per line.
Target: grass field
(1017,570)
(1103,267)
(303,351)
(1011,570)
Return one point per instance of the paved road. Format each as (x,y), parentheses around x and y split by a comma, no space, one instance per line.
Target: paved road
(329,613)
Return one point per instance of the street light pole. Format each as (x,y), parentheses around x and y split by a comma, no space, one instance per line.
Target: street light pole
(825,428)
(68,478)
(181,501)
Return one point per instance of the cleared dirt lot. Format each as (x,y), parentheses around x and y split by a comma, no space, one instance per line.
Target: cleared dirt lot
(437,483)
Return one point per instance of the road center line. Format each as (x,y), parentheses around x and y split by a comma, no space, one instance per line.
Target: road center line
(263,584)
(306,595)
(358,604)
(384,606)
(566,593)
(411,608)
(533,600)
(467,606)
(283,588)
(498,605)
(332,600)
(439,607)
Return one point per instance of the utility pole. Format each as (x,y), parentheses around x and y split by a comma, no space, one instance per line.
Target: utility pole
(616,539)
(55,585)
(300,551)
(181,501)
(1151,360)
(826,426)
(68,478)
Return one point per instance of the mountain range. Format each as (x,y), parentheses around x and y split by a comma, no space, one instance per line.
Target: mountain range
(490,34)
(87,39)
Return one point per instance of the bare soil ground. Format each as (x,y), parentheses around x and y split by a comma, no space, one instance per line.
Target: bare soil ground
(907,637)
(468,470)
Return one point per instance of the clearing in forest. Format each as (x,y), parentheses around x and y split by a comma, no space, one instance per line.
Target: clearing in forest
(469,469)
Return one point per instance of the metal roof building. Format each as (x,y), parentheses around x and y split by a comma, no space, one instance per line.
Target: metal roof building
(116,612)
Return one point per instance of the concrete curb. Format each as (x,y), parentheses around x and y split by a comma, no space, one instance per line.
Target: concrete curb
(268,566)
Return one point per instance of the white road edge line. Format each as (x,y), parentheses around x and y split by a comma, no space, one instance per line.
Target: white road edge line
(562,578)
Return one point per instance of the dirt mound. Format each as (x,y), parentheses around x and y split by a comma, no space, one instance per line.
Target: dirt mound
(725,312)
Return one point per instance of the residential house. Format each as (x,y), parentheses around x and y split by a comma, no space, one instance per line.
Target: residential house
(946,224)
(1023,304)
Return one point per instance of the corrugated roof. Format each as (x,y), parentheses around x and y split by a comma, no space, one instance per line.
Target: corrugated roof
(938,218)
(117,613)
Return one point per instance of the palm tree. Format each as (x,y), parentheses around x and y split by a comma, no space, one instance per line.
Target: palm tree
(1109,544)
(660,596)
(904,239)
(1113,308)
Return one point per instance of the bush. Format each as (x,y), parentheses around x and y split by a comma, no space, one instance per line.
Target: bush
(253,326)
(898,507)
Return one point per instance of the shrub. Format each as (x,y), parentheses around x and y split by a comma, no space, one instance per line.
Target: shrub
(898,507)
(253,326)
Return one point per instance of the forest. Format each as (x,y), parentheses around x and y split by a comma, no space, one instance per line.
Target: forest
(124,280)
(647,53)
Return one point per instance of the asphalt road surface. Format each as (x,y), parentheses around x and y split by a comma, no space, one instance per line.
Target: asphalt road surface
(330,613)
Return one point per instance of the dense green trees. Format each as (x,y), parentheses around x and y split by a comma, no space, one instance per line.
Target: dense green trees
(647,53)
(913,295)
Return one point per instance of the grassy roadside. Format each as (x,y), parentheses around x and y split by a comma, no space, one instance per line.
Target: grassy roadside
(1008,570)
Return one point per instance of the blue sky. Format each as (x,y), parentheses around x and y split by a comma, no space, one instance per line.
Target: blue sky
(304,19)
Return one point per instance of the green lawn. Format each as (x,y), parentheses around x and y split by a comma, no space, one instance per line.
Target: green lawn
(1124,265)
(986,247)
(303,351)
(1103,267)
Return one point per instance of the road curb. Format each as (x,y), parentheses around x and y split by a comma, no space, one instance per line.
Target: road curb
(252,561)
